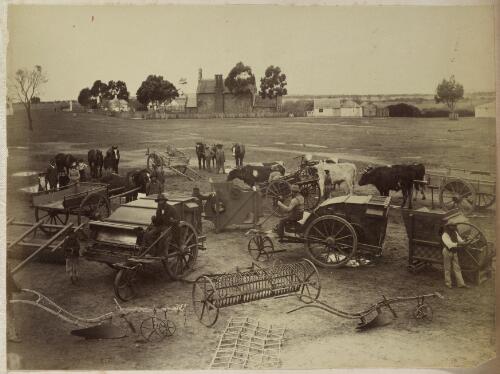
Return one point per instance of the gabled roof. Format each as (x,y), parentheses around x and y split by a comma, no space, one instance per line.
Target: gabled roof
(326,103)
(191,100)
(208,86)
(350,104)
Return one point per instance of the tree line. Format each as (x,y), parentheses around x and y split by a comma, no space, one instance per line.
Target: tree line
(155,89)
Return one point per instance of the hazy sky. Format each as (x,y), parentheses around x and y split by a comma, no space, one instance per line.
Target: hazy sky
(323,50)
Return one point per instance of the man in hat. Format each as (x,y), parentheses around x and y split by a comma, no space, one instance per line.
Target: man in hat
(295,210)
(166,216)
(275,173)
(74,174)
(451,244)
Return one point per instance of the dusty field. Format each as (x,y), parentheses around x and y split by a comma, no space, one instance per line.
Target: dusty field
(462,333)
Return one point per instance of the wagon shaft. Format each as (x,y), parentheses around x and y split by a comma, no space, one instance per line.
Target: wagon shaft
(211,292)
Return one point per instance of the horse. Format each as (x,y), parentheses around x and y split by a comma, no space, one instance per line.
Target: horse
(210,152)
(238,153)
(96,161)
(220,158)
(113,159)
(63,162)
(201,150)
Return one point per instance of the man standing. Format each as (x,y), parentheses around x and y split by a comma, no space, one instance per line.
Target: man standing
(73,174)
(295,210)
(451,244)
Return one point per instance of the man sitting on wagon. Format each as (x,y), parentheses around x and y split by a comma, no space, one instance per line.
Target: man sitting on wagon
(295,210)
(166,217)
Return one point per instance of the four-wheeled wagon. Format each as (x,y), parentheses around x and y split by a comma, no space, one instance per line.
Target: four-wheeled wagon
(116,241)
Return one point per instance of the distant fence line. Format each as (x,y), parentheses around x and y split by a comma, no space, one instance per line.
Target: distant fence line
(163,115)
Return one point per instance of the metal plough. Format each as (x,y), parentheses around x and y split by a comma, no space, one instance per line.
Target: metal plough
(153,328)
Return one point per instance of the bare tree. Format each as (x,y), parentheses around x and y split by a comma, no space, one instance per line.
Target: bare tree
(27,84)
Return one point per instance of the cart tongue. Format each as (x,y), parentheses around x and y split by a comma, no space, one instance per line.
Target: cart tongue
(382,318)
(104,331)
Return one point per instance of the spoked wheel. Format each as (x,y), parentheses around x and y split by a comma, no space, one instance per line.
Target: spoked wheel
(182,255)
(154,329)
(312,195)
(94,206)
(261,248)
(475,252)
(205,300)
(51,217)
(457,194)
(484,200)
(124,284)
(423,312)
(155,164)
(331,241)
(276,189)
(311,285)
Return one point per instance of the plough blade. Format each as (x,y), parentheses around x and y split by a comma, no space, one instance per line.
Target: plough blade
(104,331)
(382,318)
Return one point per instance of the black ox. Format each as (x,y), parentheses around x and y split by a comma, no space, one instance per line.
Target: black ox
(395,177)
(252,174)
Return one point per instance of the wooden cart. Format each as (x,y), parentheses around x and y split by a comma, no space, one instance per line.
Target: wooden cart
(334,232)
(424,229)
(172,160)
(115,242)
(463,189)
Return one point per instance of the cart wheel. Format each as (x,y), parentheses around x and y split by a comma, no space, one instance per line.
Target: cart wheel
(457,194)
(277,188)
(261,248)
(155,163)
(475,249)
(124,284)
(182,257)
(484,200)
(312,195)
(423,312)
(94,206)
(51,217)
(311,285)
(331,241)
(205,301)
(154,329)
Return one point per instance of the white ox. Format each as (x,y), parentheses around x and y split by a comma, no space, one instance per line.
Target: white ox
(340,173)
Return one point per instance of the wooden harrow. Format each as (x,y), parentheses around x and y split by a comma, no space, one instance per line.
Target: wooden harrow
(215,291)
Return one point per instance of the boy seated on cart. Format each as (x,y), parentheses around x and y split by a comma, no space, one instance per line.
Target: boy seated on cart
(295,211)
(166,217)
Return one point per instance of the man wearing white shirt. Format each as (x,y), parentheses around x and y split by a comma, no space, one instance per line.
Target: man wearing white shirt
(451,243)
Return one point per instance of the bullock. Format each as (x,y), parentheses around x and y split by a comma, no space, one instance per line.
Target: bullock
(253,174)
(63,162)
(340,173)
(135,178)
(394,177)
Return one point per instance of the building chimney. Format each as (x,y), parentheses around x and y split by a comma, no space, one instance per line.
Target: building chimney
(200,74)
(219,94)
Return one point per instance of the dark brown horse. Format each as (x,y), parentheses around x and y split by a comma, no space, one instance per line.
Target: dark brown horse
(238,150)
(112,159)
(96,162)
(201,150)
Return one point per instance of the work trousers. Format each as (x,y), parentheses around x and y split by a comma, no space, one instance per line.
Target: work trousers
(451,265)
(293,217)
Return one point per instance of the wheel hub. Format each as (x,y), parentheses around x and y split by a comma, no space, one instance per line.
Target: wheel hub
(330,241)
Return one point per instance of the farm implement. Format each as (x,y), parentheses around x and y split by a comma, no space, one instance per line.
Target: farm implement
(172,160)
(375,315)
(153,328)
(214,291)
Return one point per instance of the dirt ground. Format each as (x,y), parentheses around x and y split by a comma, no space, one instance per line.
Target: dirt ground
(462,332)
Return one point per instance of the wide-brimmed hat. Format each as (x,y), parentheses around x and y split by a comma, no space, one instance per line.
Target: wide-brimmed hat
(161,197)
(295,188)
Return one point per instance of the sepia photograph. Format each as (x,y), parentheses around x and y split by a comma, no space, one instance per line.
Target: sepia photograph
(266,186)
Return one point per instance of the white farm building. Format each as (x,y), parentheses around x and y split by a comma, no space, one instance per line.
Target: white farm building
(335,108)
